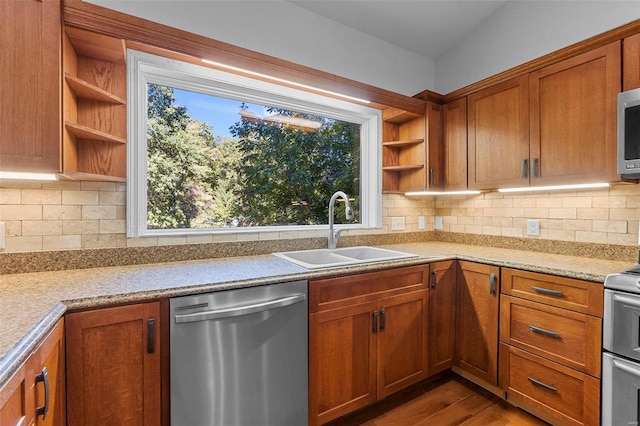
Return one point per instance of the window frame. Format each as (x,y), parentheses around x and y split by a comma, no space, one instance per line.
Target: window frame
(145,68)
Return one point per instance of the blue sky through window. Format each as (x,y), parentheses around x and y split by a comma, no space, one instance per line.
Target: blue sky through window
(219,113)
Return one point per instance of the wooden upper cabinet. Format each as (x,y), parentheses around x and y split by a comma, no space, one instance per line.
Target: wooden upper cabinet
(113,365)
(30,63)
(454,120)
(631,62)
(435,143)
(573,118)
(499,135)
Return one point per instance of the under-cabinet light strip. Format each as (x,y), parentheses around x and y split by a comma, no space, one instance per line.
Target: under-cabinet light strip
(282,80)
(28,176)
(426,193)
(556,187)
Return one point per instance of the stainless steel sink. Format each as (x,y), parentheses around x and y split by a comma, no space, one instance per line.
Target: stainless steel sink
(325,258)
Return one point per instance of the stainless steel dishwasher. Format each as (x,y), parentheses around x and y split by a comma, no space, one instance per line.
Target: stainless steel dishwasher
(239,357)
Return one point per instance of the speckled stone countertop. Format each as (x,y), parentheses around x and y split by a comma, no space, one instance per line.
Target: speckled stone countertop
(31,303)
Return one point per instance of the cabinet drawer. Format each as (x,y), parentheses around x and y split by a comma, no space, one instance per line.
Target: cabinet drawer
(568,293)
(344,291)
(564,393)
(567,337)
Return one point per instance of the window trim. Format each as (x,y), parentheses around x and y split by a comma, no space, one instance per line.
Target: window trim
(144,68)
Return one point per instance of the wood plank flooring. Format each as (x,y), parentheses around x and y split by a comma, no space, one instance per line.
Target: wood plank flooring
(450,400)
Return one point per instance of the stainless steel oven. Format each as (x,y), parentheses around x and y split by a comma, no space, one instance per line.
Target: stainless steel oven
(621,349)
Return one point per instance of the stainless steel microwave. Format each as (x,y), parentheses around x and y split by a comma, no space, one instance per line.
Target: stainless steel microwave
(629,133)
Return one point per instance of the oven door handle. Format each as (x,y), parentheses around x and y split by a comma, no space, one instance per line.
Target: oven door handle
(624,366)
(629,302)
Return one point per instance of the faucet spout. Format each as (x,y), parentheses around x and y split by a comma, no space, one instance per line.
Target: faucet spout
(334,236)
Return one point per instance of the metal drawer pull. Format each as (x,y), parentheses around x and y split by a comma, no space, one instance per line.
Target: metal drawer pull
(434,279)
(151,335)
(374,329)
(546,291)
(43,377)
(382,320)
(534,167)
(543,385)
(523,168)
(543,331)
(492,284)
(431,177)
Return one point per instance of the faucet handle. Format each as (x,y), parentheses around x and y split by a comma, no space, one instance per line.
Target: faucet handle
(349,213)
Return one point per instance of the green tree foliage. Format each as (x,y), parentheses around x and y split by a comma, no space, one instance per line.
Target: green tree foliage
(289,174)
(267,174)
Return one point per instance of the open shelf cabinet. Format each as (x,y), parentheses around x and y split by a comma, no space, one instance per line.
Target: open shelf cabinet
(94,107)
(403,151)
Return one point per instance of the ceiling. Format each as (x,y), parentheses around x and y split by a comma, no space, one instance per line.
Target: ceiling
(425,27)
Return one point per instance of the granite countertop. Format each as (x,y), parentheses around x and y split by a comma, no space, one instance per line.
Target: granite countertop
(31,303)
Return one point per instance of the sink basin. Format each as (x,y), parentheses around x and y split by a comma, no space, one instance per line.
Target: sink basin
(325,258)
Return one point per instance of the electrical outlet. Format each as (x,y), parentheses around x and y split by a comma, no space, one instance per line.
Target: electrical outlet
(533,227)
(437,223)
(421,224)
(2,233)
(397,223)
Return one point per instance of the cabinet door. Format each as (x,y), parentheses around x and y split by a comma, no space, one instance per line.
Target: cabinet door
(113,365)
(442,315)
(50,358)
(435,141)
(30,116)
(499,135)
(16,400)
(477,320)
(631,63)
(342,361)
(402,341)
(573,118)
(454,119)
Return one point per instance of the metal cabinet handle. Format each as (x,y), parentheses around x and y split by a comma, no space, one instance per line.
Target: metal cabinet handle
(544,331)
(434,279)
(542,385)
(523,168)
(431,176)
(382,320)
(546,291)
(534,167)
(375,322)
(151,334)
(43,377)
(241,310)
(492,284)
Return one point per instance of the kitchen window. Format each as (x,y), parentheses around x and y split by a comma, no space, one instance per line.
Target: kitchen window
(215,152)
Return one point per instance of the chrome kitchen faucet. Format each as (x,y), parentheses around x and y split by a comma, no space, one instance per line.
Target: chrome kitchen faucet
(334,236)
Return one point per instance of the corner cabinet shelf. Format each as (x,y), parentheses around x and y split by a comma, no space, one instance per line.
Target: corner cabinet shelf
(403,151)
(94,107)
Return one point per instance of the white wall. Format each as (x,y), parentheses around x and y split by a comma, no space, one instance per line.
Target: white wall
(289,32)
(524,30)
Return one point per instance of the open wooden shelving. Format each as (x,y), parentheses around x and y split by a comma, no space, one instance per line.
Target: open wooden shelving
(403,151)
(94,106)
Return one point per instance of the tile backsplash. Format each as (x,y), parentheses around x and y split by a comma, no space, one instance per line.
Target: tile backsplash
(67,215)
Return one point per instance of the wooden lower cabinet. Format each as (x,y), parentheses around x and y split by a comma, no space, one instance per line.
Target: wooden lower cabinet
(568,395)
(367,339)
(35,395)
(551,345)
(442,315)
(113,366)
(476,348)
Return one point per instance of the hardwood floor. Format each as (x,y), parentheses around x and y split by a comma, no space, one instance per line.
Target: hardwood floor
(450,400)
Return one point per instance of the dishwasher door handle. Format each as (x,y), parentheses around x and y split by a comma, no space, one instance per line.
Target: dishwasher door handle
(241,310)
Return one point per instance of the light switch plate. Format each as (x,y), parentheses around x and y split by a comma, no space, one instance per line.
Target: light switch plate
(3,230)
(533,227)
(421,224)
(437,223)
(397,223)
